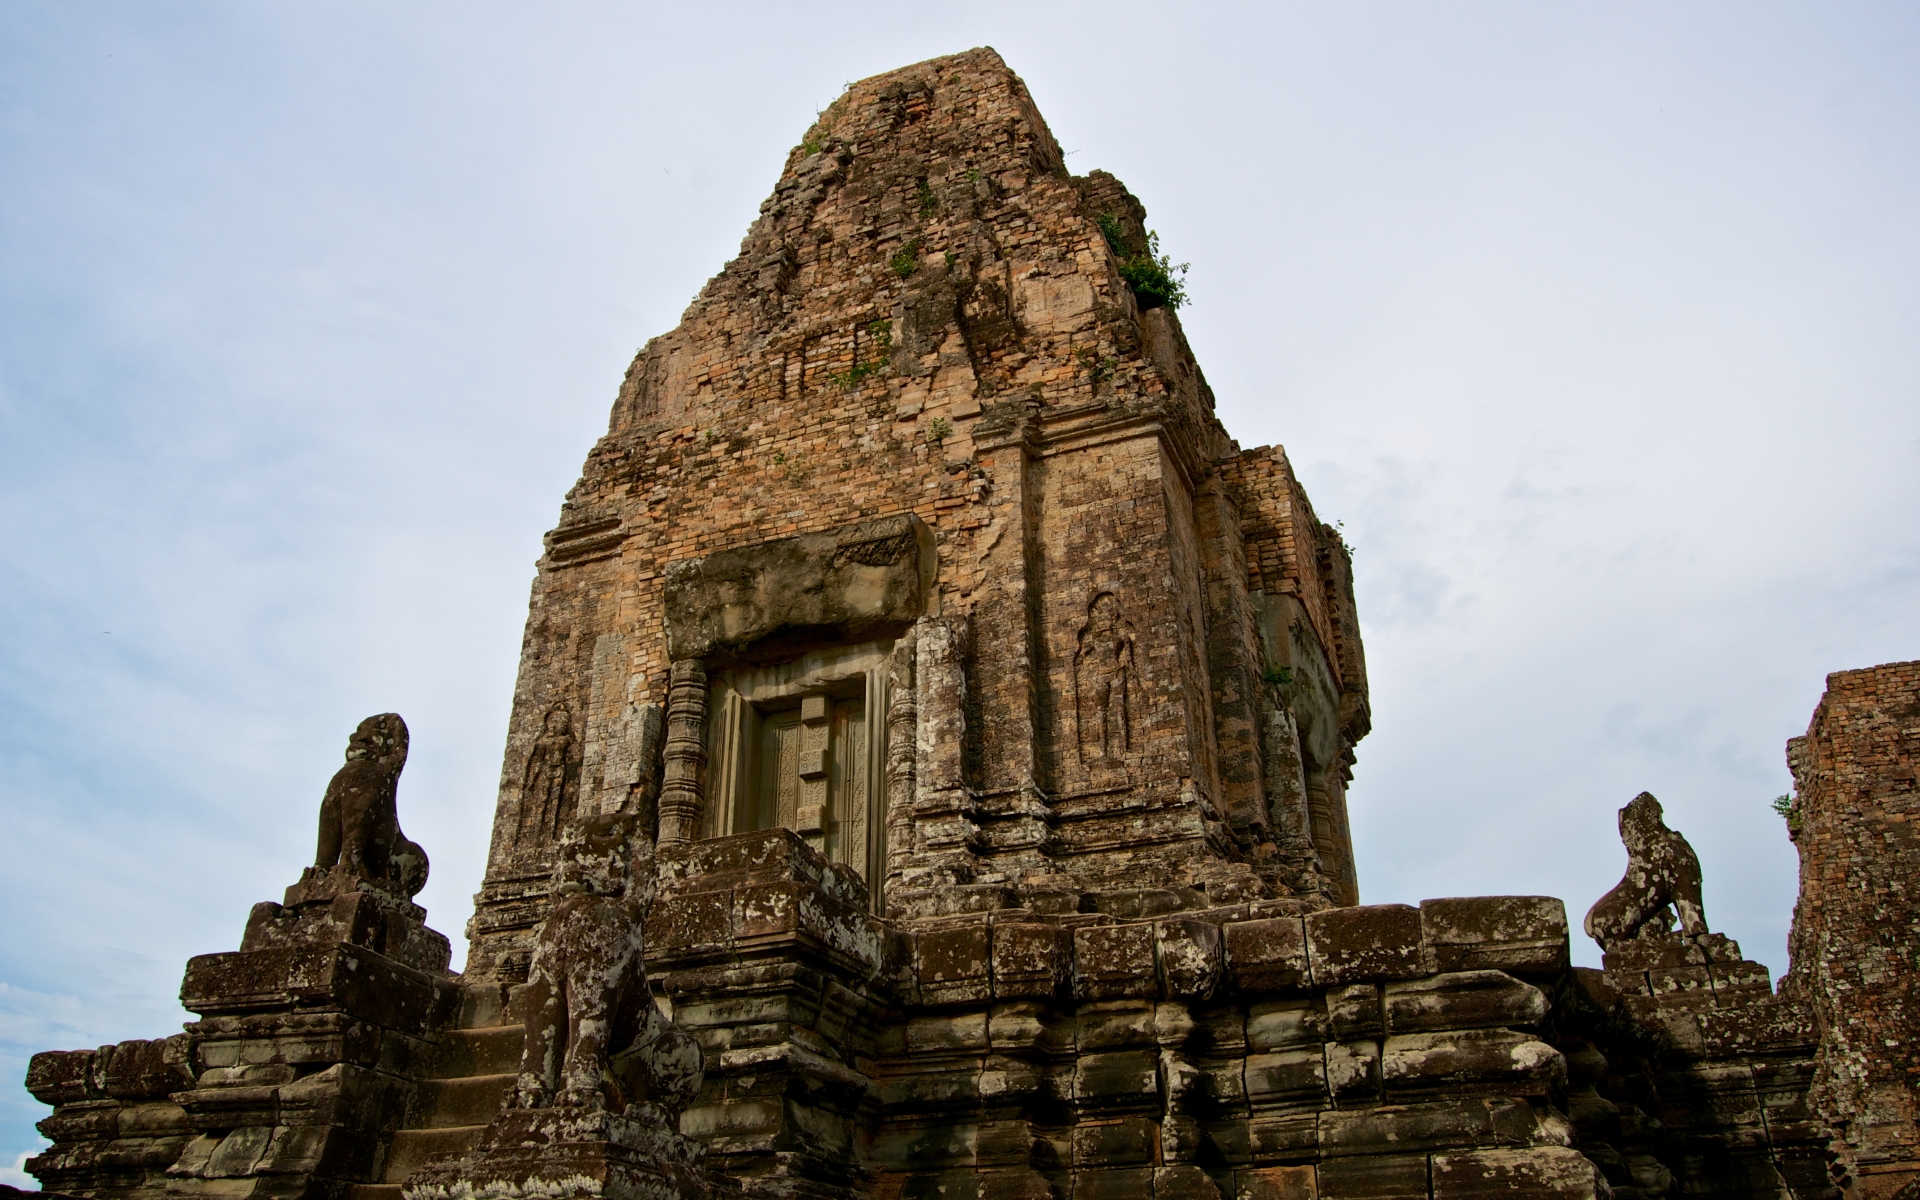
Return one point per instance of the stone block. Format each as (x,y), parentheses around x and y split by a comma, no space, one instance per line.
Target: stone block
(1117,1079)
(1470,1060)
(1286,1077)
(939,1033)
(953,965)
(1353,1071)
(1114,1024)
(1526,934)
(1123,1142)
(1192,964)
(1375,941)
(1275,1183)
(1382,1177)
(1355,1011)
(1267,956)
(1549,1172)
(695,923)
(1126,1183)
(60,1076)
(1284,1024)
(147,1070)
(1184,1182)
(1031,961)
(349,978)
(1463,1000)
(1114,962)
(1288,1137)
(140,1153)
(1439,1125)
(82,1121)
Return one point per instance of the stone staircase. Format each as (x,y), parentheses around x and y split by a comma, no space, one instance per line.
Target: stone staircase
(473,1070)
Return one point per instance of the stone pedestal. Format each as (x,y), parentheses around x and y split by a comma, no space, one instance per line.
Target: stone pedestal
(333,907)
(564,1153)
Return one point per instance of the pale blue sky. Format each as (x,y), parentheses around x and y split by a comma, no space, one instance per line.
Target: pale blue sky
(1595,324)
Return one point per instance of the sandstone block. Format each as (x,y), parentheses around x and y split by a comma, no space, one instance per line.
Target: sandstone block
(1287,1137)
(1127,1183)
(1353,1071)
(1117,1079)
(1274,1183)
(1267,956)
(1384,1177)
(59,1076)
(1287,1077)
(1113,962)
(1283,1024)
(1355,1011)
(1546,1171)
(1437,1125)
(1191,962)
(1031,961)
(1126,1141)
(1527,934)
(954,965)
(350,978)
(1375,941)
(1465,1061)
(1463,1000)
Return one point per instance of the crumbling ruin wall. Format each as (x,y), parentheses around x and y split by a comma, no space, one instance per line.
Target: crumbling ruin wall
(1856,928)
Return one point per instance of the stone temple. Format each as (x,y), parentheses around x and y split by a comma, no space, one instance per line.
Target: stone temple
(927,781)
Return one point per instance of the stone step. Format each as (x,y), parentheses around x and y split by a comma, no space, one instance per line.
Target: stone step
(474,1100)
(490,1051)
(373,1191)
(412,1148)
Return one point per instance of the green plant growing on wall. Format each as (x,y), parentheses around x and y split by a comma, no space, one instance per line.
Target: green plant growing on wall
(938,431)
(1278,676)
(907,260)
(929,203)
(1156,280)
(1789,812)
(880,335)
(1098,369)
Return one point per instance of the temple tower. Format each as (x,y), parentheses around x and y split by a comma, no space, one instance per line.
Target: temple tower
(919,537)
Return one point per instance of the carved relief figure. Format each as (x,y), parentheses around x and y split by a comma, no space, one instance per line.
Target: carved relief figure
(543,790)
(359,815)
(594,1038)
(1103,674)
(1663,874)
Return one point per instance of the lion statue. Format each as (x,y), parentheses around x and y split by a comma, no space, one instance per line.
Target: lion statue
(360,818)
(595,1038)
(1663,874)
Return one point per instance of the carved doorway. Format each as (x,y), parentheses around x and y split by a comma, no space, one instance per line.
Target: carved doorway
(801,745)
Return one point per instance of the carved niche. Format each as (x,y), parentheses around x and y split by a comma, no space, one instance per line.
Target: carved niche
(1103,681)
(548,778)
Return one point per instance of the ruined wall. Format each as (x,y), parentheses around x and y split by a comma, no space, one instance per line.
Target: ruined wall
(1856,928)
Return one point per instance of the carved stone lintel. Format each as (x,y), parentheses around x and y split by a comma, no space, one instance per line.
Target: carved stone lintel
(682,798)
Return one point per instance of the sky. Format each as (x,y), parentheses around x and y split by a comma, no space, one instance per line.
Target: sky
(1594,324)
